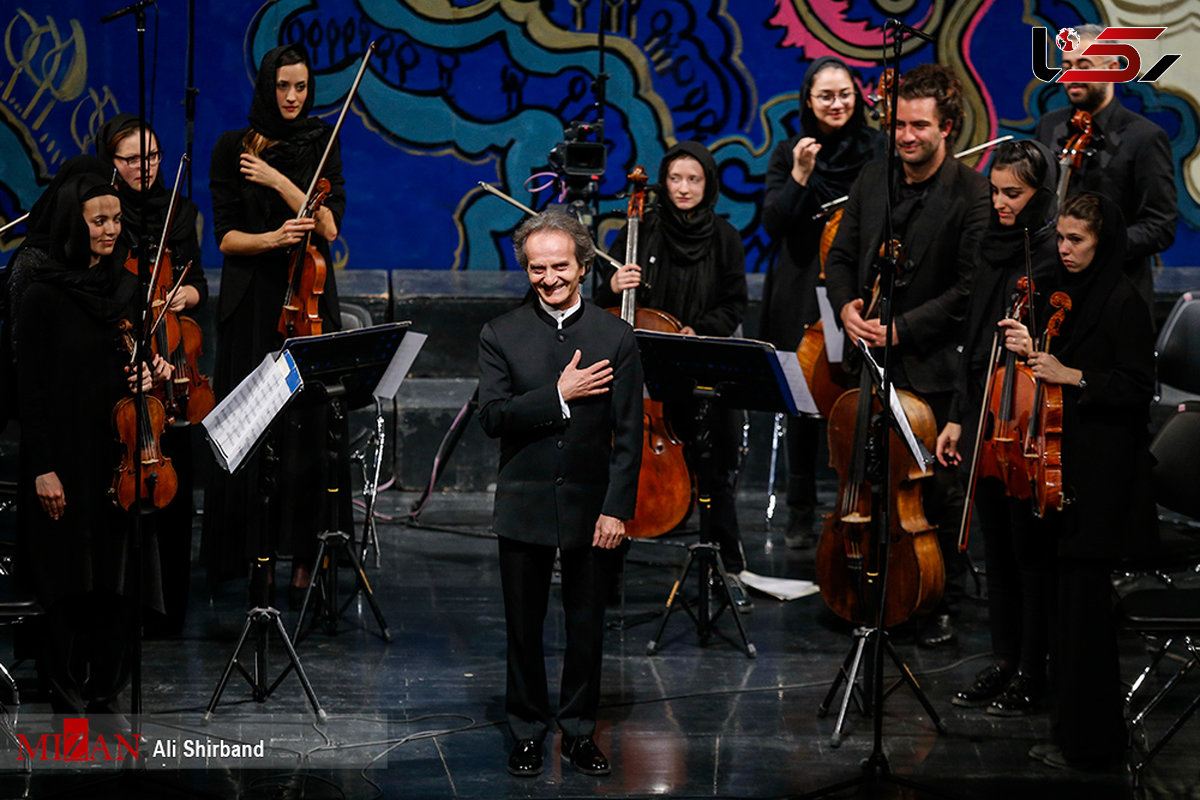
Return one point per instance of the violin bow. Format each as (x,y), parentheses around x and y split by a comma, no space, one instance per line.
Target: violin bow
(493,190)
(170,219)
(312,186)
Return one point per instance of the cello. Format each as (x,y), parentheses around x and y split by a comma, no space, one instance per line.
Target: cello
(666,485)
(300,314)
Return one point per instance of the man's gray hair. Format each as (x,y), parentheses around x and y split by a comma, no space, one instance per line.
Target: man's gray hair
(585,249)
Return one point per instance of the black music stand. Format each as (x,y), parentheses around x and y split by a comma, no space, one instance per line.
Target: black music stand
(711,372)
(352,368)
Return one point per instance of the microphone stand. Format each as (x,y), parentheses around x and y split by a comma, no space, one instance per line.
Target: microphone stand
(875,768)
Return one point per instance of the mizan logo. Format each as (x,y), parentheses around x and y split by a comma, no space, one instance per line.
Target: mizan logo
(75,744)
(1068,41)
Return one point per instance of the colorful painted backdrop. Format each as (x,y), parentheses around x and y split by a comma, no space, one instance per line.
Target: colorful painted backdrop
(462,92)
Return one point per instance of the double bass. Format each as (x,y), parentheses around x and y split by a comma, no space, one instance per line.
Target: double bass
(666,485)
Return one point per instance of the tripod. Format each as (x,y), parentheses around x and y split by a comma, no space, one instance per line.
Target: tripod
(336,543)
(262,619)
(705,554)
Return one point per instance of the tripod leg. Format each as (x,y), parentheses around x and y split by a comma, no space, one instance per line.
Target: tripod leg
(843,671)
(907,675)
(312,584)
(835,739)
(216,698)
(751,650)
(295,659)
(365,587)
(652,647)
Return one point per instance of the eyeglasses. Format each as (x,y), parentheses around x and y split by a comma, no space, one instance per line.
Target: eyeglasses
(829,98)
(152,158)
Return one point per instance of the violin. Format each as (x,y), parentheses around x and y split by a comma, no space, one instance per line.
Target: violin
(1043,440)
(1004,416)
(1076,147)
(191,386)
(301,314)
(145,472)
(666,485)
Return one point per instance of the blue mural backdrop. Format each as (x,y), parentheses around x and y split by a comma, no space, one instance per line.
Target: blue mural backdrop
(461,92)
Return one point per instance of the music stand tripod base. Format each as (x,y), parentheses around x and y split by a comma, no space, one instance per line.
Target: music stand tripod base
(709,557)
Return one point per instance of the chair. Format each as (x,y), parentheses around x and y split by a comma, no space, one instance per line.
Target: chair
(15,607)
(1170,614)
(1178,350)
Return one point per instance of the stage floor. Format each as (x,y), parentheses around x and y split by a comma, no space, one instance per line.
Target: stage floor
(422,717)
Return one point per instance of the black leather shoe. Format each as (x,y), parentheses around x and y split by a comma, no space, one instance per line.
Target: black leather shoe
(525,760)
(1022,697)
(938,632)
(989,684)
(582,753)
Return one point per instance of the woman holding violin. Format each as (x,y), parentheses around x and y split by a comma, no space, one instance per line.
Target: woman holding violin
(258,179)
(1104,361)
(691,264)
(1023,179)
(817,165)
(144,214)
(73,371)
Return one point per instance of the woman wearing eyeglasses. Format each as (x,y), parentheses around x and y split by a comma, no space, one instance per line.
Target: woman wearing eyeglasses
(144,212)
(813,167)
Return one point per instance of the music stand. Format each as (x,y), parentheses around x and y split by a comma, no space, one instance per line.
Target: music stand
(711,372)
(354,369)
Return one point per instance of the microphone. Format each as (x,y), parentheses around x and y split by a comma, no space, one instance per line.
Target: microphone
(138,6)
(901,27)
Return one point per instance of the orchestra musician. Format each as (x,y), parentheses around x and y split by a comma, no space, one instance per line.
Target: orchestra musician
(941,212)
(560,384)
(1023,178)
(143,215)
(813,167)
(258,178)
(691,264)
(1132,163)
(72,369)
(1104,360)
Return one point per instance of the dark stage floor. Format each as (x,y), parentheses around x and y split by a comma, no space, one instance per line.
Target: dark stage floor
(421,717)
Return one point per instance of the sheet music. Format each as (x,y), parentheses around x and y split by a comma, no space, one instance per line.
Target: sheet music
(834,337)
(401,363)
(241,418)
(802,397)
(916,448)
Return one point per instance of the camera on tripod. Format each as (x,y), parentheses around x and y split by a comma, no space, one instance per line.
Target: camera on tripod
(574,156)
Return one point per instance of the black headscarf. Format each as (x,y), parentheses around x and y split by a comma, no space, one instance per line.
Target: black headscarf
(291,136)
(138,208)
(688,234)
(1090,289)
(103,290)
(1001,244)
(843,151)
(38,226)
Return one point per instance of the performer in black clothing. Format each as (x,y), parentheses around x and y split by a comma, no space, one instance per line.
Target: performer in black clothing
(1104,360)
(72,370)
(143,215)
(1132,164)
(942,211)
(560,384)
(258,178)
(1023,179)
(813,167)
(694,269)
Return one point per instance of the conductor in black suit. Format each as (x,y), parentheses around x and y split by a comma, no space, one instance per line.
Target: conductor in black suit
(940,212)
(1132,162)
(560,384)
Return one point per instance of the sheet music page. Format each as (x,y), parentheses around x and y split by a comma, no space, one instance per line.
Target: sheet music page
(801,394)
(241,418)
(401,363)
(834,336)
(917,449)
